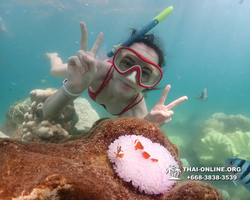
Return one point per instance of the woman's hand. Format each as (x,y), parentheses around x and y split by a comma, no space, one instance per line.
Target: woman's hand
(82,67)
(161,114)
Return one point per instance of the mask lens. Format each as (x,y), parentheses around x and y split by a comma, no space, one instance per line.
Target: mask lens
(126,61)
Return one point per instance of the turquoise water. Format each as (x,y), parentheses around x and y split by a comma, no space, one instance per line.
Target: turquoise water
(207,44)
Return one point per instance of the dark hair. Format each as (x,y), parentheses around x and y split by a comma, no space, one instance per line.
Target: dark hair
(153,42)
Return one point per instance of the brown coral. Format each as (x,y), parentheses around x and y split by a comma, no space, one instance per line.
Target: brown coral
(79,167)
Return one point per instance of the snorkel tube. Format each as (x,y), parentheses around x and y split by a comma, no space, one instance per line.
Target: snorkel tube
(142,31)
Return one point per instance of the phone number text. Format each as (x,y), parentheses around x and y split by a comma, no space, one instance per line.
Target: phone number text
(212,177)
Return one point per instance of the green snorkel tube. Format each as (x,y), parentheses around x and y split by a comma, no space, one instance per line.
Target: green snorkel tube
(142,31)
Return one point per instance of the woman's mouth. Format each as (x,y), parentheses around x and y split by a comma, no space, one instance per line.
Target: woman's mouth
(126,86)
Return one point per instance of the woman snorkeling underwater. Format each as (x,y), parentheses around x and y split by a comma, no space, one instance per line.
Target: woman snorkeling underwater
(116,85)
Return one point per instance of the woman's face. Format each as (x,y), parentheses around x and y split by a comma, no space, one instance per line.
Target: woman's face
(127,84)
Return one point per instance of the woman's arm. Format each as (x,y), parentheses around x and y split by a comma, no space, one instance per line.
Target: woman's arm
(60,99)
(81,71)
(54,105)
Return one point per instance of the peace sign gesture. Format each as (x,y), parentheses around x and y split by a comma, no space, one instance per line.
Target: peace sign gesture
(82,66)
(161,114)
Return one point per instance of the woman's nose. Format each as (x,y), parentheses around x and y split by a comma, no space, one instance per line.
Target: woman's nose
(132,76)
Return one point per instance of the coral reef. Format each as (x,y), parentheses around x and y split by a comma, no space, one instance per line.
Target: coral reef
(17,111)
(15,118)
(79,168)
(225,194)
(227,124)
(185,162)
(178,142)
(241,142)
(214,149)
(86,114)
(25,119)
(37,128)
(223,137)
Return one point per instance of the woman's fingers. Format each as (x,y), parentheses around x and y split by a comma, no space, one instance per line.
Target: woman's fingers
(84,41)
(75,62)
(165,121)
(81,55)
(71,60)
(176,102)
(164,95)
(97,44)
(161,114)
(86,61)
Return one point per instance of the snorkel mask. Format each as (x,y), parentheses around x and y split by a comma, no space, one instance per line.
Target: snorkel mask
(127,60)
